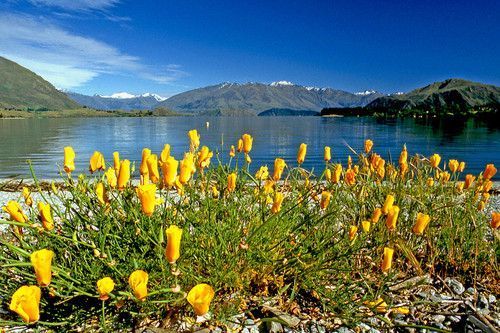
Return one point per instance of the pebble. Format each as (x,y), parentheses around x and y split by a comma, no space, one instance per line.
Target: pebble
(457,287)
(438,319)
(492,299)
(482,302)
(274,327)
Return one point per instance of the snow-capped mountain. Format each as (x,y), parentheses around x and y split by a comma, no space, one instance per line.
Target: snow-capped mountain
(118,101)
(365,93)
(281,83)
(125,95)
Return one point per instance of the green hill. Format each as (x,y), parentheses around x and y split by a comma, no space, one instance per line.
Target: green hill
(452,96)
(22,89)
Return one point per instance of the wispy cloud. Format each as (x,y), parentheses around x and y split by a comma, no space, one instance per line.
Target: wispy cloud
(77,5)
(68,60)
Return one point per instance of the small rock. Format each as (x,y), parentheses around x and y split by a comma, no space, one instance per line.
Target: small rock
(492,299)
(482,302)
(438,319)
(344,330)
(470,291)
(274,327)
(289,320)
(365,328)
(457,287)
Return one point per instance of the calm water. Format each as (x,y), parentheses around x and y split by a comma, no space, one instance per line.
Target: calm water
(42,140)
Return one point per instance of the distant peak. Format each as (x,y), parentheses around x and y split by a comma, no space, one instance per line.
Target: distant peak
(120,95)
(365,93)
(125,95)
(281,83)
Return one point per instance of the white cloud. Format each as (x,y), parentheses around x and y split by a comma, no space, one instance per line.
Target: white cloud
(77,5)
(68,60)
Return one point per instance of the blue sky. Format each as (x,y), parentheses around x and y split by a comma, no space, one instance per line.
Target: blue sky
(165,47)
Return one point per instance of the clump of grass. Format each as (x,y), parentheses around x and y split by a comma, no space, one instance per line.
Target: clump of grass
(311,252)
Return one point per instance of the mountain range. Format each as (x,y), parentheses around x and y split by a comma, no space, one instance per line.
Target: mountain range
(224,98)
(118,101)
(21,89)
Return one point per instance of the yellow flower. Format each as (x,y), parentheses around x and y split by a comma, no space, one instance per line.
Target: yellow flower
(143,168)
(392,217)
(187,168)
(232,151)
(377,212)
(279,166)
(116,162)
(147,197)
(327,156)
(173,249)
(387,260)
(325,199)
(124,174)
(337,173)
(368,145)
(204,156)
(469,179)
(152,163)
(247,142)
(495,220)
(435,160)
(430,181)
(215,192)
(349,162)
(366,226)
(101,193)
(104,287)
(15,211)
(262,173)
(481,205)
(421,223)
(489,171)
(231,182)
(353,232)
(45,216)
(26,303)
(268,186)
(278,199)
(138,281)
(194,140)
(111,177)
(27,196)
(240,145)
(97,162)
(328,175)
(389,201)
(453,165)
(444,176)
(165,154)
(487,186)
(200,297)
(350,177)
(69,159)
(403,157)
(169,169)
(460,186)
(461,166)
(301,155)
(248,159)
(42,263)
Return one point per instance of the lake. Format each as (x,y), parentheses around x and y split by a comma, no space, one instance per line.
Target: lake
(42,140)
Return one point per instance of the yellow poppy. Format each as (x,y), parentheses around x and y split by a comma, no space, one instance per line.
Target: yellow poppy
(421,223)
(169,170)
(200,297)
(147,197)
(69,159)
(26,303)
(247,142)
(124,174)
(301,155)
(173,249)
(42,263)
(104,287)
(45,216)
(138,281)
(97,162)
(387,259)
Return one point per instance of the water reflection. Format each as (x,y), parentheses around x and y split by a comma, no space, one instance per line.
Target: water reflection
(42,140)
